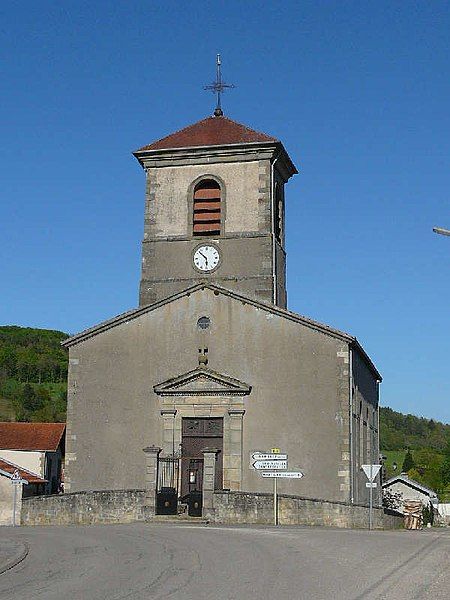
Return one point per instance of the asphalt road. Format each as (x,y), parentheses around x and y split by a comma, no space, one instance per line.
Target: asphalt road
(194,562)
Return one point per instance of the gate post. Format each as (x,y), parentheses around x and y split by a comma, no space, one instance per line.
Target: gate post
(151,479)
(209,476)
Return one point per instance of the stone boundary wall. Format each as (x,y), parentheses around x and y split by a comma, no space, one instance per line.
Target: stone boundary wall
(257,508)
(84,508)
(127,506)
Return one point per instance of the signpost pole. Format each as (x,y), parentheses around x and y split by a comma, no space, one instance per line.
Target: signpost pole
(14,503)
(371,472)
(275,501)
(275,492)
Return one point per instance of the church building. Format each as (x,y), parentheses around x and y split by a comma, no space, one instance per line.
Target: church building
(212,361)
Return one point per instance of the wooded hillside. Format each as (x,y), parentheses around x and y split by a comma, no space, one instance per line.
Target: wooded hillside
(399,431)
(33,374)
(417,446)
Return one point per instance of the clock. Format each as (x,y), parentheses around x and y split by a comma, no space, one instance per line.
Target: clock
(206,258)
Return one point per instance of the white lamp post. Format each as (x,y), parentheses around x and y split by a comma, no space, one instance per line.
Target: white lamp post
(441,231)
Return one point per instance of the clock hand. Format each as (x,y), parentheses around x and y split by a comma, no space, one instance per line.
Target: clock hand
(204,256)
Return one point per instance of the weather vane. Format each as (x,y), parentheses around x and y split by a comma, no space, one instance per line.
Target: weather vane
(217,87)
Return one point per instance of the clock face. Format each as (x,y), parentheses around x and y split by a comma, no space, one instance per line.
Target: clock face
(206,258)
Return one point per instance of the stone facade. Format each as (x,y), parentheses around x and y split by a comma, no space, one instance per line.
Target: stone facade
(267,376)
(252,261)
(7,491)
(280,380)
(364,429)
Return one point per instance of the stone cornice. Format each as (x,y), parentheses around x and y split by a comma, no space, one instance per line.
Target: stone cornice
(226,153)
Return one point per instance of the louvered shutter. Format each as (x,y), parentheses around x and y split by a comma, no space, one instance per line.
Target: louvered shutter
(207,208)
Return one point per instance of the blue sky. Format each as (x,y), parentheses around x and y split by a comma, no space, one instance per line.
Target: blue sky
(359,93)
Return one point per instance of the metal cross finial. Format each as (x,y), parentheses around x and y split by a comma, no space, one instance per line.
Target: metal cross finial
(217,87)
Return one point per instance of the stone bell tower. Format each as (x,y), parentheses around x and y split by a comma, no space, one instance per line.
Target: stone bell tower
(214,211)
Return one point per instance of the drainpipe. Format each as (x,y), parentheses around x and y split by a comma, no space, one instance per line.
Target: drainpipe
(350,410)
(274,276)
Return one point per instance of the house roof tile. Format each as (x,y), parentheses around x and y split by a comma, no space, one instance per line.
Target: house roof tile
(212,131)
(31,436)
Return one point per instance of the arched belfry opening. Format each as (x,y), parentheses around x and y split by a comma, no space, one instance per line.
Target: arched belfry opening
(207,208)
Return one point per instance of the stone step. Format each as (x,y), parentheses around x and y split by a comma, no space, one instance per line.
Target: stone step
(177,519)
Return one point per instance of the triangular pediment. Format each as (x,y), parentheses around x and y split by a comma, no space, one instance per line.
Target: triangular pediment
(202,382)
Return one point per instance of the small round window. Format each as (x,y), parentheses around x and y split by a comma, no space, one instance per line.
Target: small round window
(203,322)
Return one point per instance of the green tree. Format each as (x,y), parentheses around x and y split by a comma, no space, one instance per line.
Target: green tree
(429,468)
(445,466)
(28,397)
(445,471)
(7,361)
(415,476)
(408,462)
(60,403)
(11,388)
(427,514)
(33,400)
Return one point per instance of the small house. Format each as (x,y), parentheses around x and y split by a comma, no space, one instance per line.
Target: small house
(16,483)
(410,490)
(37,448)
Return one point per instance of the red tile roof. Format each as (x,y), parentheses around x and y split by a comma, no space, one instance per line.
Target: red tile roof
(31,436)
(10,467)
(212,131)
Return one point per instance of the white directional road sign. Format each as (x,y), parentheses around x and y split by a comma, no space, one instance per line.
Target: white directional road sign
(268,456)
(371,471)
(269,464)
(285,474)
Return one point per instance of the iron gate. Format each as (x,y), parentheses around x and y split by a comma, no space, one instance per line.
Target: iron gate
(195,502)
(167,489)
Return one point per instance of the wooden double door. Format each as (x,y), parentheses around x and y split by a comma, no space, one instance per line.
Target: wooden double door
(198,434)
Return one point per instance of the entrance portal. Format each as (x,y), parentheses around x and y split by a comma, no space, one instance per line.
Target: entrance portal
(198,434)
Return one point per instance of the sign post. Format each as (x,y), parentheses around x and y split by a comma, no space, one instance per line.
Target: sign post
(275,501)
(371,472)
(16,480)
(273,464)
(275,490)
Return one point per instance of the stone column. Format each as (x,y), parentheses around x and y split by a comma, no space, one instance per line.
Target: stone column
(236,418)
(170,441)
(209,476)
(151,479)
